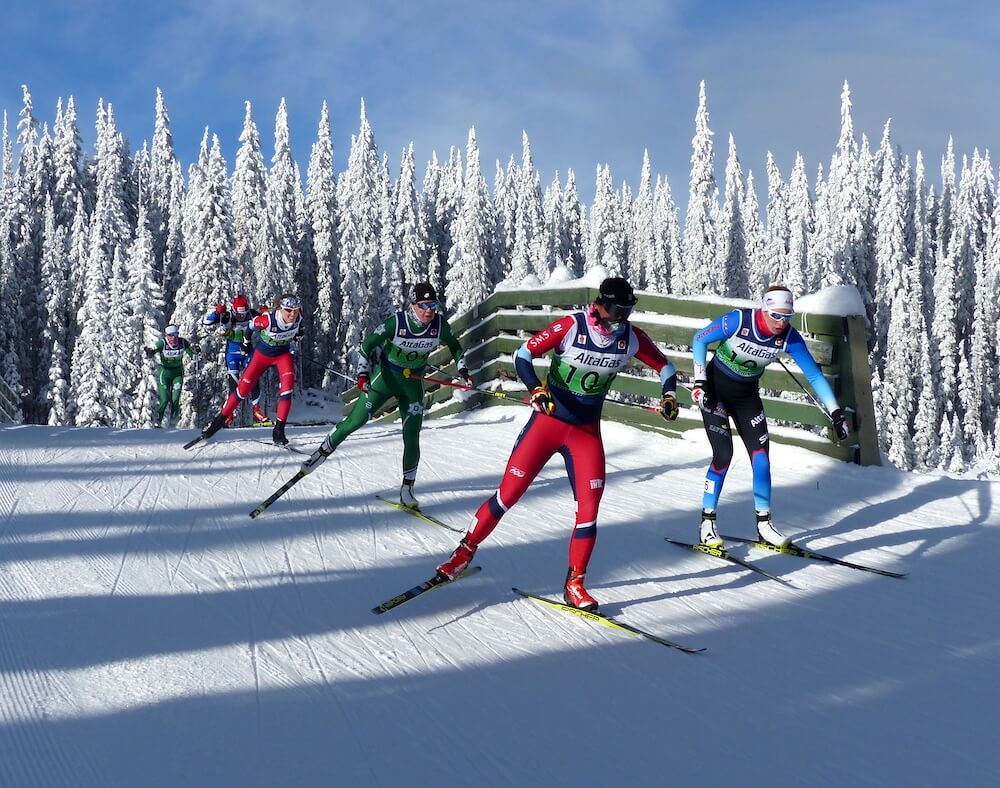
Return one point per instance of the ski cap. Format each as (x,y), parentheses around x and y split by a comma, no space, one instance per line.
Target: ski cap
(617,296)
(424,291)
(171,331)
(241,304)
(779,298)
(290,302)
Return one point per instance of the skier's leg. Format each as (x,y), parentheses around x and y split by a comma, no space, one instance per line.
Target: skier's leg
(583,454)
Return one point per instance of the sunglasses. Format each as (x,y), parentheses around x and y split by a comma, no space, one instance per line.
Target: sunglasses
(427,305)
(779,316)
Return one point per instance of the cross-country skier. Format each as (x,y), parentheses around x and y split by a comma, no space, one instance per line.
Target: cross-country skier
(397,349)
(234,323)
(590,348)
(170,376)
(276,330)
(728,387)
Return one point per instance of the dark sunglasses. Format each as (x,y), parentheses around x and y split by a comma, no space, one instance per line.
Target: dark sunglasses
(779,316)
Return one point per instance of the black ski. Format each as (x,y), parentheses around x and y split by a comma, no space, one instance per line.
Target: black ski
(419,514)
(725,555)
(279,492)
(614,623)
(801,552)
(435,582)
(193,441)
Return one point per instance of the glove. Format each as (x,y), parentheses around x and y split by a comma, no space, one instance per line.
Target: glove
(363,383)
(541,400)
(840,424)
(463,373)
(150,352)
(220,309)
(318,457)
(668,406)
(196,349)
(245,347)
(700,395)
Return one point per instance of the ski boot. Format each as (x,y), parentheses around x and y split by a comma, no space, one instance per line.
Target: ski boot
(707,534)
(217,424)
(406,494)
(459,561)
(278,434)
(575,595)
(767,532)
(260,418)
(318,457)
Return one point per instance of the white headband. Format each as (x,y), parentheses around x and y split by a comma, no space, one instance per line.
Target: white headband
(779,299)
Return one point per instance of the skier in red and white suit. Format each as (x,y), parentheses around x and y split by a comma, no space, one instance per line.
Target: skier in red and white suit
(276,330)
(590,348)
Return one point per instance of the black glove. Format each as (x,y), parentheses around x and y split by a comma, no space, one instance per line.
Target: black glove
(668,406)
(463,373)
(245,347)
(196,349)
(840,424)
(150,352)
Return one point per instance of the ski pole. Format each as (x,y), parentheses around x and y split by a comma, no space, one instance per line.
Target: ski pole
(498,394)
(278,493)
(805,391)
(331,369)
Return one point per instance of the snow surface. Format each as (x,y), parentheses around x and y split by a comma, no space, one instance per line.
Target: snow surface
(834,300)
(151,634)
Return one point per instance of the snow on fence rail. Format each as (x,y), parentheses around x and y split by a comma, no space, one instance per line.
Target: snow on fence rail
(492,331)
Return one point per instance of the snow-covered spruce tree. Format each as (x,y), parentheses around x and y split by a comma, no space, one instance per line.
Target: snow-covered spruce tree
(505,210)
(944,334)
(251,222)
(95,388)
(699,227)
(604,247)
(282,188)
(124,368)
(819,250)
(897,401)
(554,222)
(359,237)
(52,357)
(771,265)
(173,253)
(753,232)
(409,225)
(8,316)
(963,247)
(891,258)
(626,229)
(206,272)
(67,191)
(946,204)
(145,317)
(321,216)
(572,251)
(732,272)
(163,168)
(668,239)
(469,264)
(389,294)
(445,210)
(526,257)
(978,390)
(642,243)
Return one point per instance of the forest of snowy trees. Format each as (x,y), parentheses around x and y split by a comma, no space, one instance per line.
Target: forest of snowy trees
(98,251)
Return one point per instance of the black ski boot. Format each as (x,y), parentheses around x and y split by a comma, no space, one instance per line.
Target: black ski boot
(278,434)
(217,424)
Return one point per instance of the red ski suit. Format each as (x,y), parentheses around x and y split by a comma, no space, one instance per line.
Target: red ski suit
(271,348)
(573,430)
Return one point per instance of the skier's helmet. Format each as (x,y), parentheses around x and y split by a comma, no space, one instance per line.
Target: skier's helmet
(617,297)
(241,305)
(171,331)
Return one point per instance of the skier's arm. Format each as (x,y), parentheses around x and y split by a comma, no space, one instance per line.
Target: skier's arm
(547,339)
(650,355)
(719,329)
(798,350)
(449,339)
(371,343)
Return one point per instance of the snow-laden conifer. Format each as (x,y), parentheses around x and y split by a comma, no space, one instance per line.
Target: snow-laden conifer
(771,265)
(145,319)
(469,263)
(572,250)
(732,270)
(251,222)
(699,227)
(604,247)
(282,188)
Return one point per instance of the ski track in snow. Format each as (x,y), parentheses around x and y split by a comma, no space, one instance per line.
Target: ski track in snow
(251,656)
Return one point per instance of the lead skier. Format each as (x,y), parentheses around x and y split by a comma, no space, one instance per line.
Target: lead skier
(590,347)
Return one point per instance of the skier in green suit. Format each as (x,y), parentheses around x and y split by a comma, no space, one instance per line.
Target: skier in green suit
(392,353)
(170,378)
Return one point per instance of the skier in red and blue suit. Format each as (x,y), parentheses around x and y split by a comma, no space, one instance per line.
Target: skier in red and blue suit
(728,386)
(276,330)
(590,348)
(234,323)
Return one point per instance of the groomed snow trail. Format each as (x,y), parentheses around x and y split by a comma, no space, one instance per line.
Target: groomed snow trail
(152,634)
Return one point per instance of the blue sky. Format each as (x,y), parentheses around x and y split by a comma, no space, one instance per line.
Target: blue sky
(591,82)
